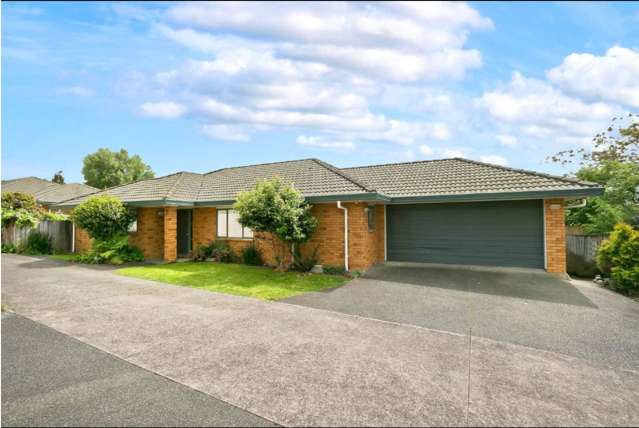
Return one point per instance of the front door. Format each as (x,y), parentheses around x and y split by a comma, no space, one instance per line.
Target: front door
(184,232)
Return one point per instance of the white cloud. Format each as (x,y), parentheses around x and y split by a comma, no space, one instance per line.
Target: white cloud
(324,143)
(453,153)
(494,159)
(425,150)
(507,141)
(225,132)
(76,91)
(163,109)
(403,42)
(613,77)
(539,110)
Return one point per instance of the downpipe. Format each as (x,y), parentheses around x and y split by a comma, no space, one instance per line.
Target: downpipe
(339,205)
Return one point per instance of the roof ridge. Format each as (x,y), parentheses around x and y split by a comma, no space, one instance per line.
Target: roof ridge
(399,163)
(526,171)
(177,181)
(120,185)
(342,174)
(258,164)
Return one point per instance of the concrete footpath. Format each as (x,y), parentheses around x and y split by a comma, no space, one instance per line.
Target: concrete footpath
(295,365)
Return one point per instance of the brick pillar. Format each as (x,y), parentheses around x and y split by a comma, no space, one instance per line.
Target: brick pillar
(555,230)
(204,226)
(170,234)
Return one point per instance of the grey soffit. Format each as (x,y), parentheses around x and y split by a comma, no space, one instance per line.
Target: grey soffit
(45,191)
(426,181)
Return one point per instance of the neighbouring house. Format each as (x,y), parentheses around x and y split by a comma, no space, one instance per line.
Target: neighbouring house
(453,211)
(45,192)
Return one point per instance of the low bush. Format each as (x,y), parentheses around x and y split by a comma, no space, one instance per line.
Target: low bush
(114,251)
(218,250)
(222,251)
(201,253)
(9,248)
(618,257)
(303,263)
(334,270)
(37,243)
(251,256)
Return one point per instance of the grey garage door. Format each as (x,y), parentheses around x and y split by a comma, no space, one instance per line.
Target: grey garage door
(506,233)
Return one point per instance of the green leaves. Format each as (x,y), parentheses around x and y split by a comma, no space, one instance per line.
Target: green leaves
(276,207)
(106,168)
(103,217)
(619,257)
(20,209)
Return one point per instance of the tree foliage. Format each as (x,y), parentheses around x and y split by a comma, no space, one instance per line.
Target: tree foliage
(614,163)
(103,217)
(58,177)
(20,209)
(276,207)
(106,168)
(619,257)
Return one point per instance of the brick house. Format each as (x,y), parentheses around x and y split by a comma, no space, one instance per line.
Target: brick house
(454,211)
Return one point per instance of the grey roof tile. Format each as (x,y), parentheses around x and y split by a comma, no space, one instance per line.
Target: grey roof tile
(315,178)
(45,191)
(456,176)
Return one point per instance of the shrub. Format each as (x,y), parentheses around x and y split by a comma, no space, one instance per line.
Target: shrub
(618,257)
(303,263)
(9,248)
(37,243)
(114,251)
(20,209)
(201,253)
(103,217)
(251,256)
(51,216)
(221,251)
(335,270)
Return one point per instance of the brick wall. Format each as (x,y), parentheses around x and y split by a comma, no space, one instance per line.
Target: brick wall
(170,234)
(150,233)
(555,228)
(365,247)
(204,226)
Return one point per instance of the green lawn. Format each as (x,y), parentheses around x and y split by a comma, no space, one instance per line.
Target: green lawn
(261,282)
(64,257)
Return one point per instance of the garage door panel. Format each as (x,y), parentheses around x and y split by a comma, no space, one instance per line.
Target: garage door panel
(488,233)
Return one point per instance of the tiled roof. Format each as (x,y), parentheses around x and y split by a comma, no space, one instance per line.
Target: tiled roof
(457,177)
(314,178)
(46,191)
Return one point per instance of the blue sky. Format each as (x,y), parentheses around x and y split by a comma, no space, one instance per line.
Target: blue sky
(201,86)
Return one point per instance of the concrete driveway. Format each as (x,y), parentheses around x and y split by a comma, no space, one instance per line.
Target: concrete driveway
(522,306)
(295,365)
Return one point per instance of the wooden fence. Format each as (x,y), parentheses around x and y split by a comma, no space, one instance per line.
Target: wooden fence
(59,231)
(581,252)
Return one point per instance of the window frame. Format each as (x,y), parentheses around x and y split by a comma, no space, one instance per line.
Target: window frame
(217,235)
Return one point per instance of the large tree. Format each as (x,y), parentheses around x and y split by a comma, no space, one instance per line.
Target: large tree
(612,162)
(106,168)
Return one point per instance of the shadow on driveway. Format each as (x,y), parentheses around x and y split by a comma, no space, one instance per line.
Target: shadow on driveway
(516,283)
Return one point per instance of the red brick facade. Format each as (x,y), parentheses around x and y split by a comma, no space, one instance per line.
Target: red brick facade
(156,235)
(555,231)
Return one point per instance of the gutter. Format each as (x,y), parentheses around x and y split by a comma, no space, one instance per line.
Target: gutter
(339,205)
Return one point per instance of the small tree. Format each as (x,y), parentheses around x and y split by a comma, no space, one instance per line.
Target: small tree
(58,178)
(106,168)
(107,221)
(277,208)
(103,217)
(618,257)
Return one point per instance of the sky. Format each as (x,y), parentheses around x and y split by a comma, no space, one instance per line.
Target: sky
(197,87)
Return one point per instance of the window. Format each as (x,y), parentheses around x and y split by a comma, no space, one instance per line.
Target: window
(228,225)
(134,226)
(371,217)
